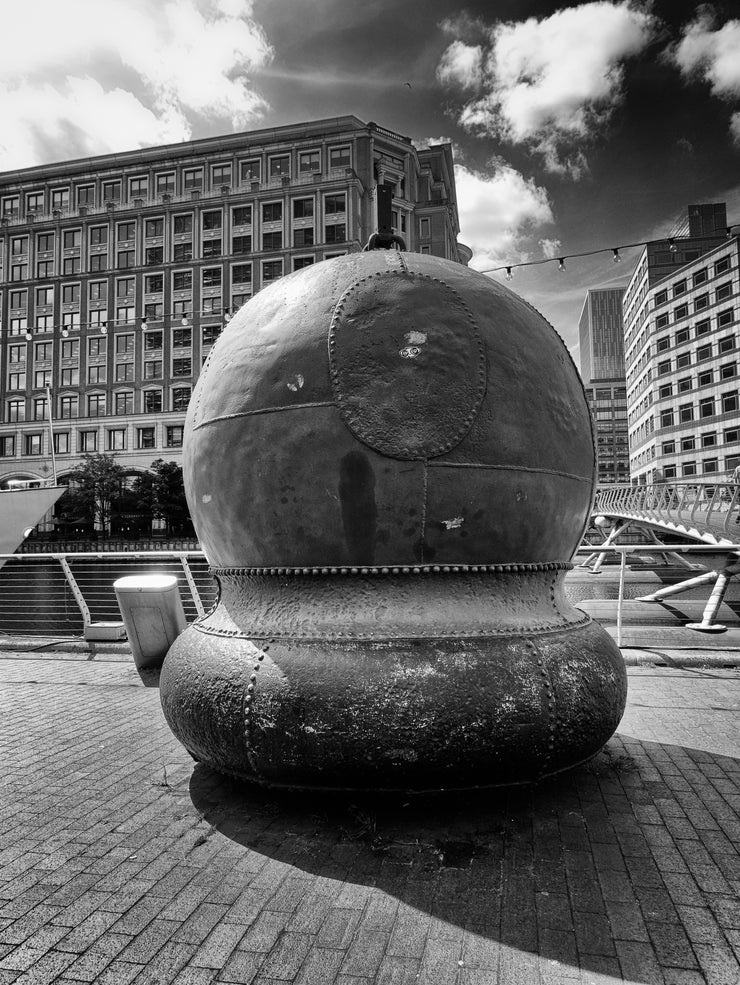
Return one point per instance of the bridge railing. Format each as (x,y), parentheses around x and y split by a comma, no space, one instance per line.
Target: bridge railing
(713,506)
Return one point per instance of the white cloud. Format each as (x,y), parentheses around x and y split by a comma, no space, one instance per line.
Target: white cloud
(711,54)
(552,83)
(461,65)
(550,248)
(498,212)
(117,74)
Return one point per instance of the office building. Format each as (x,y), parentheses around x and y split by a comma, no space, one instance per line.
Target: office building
(117,273)
(681,353)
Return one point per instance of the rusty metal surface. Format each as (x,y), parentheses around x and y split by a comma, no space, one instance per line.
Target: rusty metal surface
(460,454)
(389,461)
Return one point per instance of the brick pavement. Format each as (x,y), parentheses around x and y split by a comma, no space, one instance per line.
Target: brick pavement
(122,861)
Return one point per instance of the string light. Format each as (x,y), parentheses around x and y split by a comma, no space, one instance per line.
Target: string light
(509,268)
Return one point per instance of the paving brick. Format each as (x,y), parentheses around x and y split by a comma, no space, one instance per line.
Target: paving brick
(363,957)
(321,966)
(718,964)
(672,946)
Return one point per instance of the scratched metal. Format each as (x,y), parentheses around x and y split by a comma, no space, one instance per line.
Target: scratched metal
(389,461)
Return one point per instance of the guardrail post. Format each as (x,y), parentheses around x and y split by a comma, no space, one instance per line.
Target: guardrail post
(78,596)
(192,586)
(707,624)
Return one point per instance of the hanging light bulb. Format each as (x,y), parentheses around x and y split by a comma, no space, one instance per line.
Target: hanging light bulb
(509,274)
(227,314)
(65,333)
(672,245)
(104,328)
(616,257)
(184,320)
(729,232)
(561,265)
(143,323)
(29,336)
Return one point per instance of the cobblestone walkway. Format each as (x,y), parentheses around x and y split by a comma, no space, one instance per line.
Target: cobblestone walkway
(122,861)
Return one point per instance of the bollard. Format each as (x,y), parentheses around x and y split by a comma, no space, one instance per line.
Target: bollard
(153,615)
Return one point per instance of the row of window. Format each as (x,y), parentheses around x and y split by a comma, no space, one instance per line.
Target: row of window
(702,353)
(726,403)
(96,405)
(88,441)
(710,466)
(18,382)
(706,378)
(277,166)
(123,343)
(699,304)
(700,277)
(709,439)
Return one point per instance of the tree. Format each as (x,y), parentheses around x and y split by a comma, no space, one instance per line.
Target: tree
(97,485)
(162,491)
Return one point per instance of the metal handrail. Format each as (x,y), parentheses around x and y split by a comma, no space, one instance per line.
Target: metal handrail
(61,594)
(707,506)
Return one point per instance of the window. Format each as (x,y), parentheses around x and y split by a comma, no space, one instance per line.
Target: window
(153,283)
(679,288)
(722,292)
(303,237)
(210,333)
(212,220)
(152,401)
(16,381)
(96,374)
(19,246)
(16,410)
(19,299)
(683,360)
(40,412)
(88,441)
(72,239)
(688,468)
(271,270)
(688,443)
(19,271)
(152,311)
(60,198)
(124,372)
(45,242)
(182,337)
(111,191)
(709,439)
(95,404)
(334,204)
(165,183)
(193,179)
(220,174)
(701,302)
(173,436)
(42,351)
(35,202)
(681,336)
(706,407)
(700,277)
(182,367)
(663,343)
(339,157)
(272,212)
(99,236)
(68,407)
(661,321)
(153,340)
(98,290)
(7,446)
(668,448)
(424,228)
(182,252)
(145,437)
(154,256)
(16,353)
(241,245)
(710,465)
(724,318)
(250,171)
(125,258)
(96,347)
(731,435)
(154,227)
(69,376)
(705,378)
(272,241)
(180,398)
(242,216)
(727,344)
(116,439)
(703,352)
(11,205)
(241,273)
(302,208)
(183,224)
(727,371)
(18,326)
(124,314)
(152,369)
(42,379)
(684,384)
(721,266)
(212,277)
(309,160)
(31,444)
(729,402)
(211,306)
(335,234)
(71,265)
(279,166)
(666,418)
(300,262)
(138,187)
(70,348)
(182,280)
(125,232)
(686,413)
(45,268)
(86,195)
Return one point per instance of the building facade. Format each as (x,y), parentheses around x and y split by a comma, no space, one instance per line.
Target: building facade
(681,354)
(601,340)
(118,273)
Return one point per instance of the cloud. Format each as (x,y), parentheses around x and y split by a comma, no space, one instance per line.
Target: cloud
(712,55)
(498,212)
(117,74)
(550,84)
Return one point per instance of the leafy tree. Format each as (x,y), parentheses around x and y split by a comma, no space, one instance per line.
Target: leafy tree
(97,483)
(162,493)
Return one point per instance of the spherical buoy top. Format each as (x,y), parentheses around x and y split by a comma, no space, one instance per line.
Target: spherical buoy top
(388,408)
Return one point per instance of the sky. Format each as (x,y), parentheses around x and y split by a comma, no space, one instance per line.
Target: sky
(575,127)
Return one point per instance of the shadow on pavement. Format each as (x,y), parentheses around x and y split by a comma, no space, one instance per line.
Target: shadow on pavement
(585,869)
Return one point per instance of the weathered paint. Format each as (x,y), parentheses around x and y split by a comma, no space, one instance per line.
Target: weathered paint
(389,538)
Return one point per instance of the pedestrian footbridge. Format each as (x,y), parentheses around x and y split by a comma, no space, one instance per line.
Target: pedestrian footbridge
(708,512)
